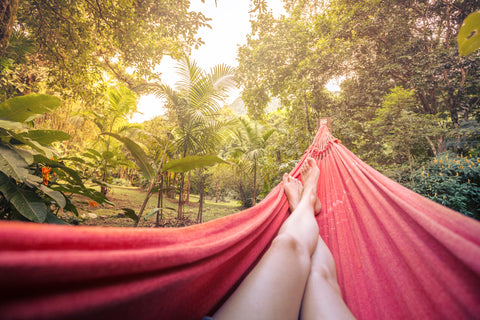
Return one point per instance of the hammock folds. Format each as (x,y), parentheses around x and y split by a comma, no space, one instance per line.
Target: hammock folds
(398,255)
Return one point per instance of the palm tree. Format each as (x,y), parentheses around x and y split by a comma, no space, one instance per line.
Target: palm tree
(193,105)
(120,103)
(252,143)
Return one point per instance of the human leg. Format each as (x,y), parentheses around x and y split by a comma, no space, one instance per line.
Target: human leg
(323,298)
(275,287)
(294,192)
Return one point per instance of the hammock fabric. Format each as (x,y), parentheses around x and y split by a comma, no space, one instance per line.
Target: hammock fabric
(398,255)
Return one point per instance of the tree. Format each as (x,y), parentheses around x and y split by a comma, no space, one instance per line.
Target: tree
(79,41)
(8,12)
(252,143)
(406,133)
(112,117)
(193,105)
(35,184)
(375,46)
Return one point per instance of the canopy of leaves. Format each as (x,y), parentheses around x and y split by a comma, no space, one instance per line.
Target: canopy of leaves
(79,40)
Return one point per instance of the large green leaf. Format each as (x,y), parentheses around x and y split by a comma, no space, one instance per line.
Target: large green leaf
(47,136)
(27,155)
(55,195)
(131,214)
(108,155)
(94,152)
(192,162)
(469,35)
(33,144)
(53,219)
(12,164)
(27,203)
(137,153)
(151,213)
(25,108)
(10,125)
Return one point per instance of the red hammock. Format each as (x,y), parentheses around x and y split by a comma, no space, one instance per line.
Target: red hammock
(398,255)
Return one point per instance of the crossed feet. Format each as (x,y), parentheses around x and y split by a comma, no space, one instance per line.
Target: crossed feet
(295,191)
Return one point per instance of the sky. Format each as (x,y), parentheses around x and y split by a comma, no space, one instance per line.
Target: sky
(230,25)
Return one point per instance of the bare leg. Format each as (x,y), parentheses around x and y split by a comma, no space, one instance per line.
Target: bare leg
(323,298)
(275,287)
(294,190)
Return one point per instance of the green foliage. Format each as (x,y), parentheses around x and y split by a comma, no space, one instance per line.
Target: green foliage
(33,183)
(138,154)
(374,46)
(404,131)
(469,34)
(465,138)
(26,108)
(79,42)
(249,146)
(192,162)
(130,213)
(453,181)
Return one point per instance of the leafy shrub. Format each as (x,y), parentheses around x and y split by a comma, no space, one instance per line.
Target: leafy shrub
(34,182)
(121,182)
(452,180)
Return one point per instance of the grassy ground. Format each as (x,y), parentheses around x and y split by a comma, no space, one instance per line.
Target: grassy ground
(131,197)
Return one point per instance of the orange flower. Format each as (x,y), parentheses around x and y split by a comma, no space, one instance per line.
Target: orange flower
(92,204)
(45,174)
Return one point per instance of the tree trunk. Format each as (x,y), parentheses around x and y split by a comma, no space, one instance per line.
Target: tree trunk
(432,145)
(144,204)
(307,115)
(160,201)
(103,189)
(187,198)
(180,196)
(8,14)
(410,164)
(254,182)
(202,193)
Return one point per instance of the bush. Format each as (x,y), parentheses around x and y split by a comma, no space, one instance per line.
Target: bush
(121,182)
(453,181)
(35,183)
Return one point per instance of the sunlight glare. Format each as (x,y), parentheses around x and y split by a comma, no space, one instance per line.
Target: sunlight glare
(148,107)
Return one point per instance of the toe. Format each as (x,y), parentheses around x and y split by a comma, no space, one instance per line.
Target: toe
(311,162)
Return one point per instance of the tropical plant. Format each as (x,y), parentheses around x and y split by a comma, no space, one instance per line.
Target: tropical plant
(469,35)
(452,180)
(193,106)
(81,42)
(407,136)
(251,144)
(153,170)
(35,184)
(111,117)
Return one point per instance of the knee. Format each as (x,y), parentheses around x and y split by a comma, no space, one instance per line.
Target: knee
(325,272)
(323,263)
(289,244)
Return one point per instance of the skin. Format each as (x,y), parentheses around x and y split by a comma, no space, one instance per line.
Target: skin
(297,274)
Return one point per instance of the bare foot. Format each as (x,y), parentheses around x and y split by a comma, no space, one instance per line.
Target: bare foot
(310,174)
(294,188)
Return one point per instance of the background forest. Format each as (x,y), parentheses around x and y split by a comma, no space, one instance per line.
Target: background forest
(71,74)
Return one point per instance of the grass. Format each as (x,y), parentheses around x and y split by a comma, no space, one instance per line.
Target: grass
(132,197)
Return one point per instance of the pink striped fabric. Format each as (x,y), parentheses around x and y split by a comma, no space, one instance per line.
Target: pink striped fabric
(398,255)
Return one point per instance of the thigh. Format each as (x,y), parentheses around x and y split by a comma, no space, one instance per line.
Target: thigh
(323,298)
(274,288)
